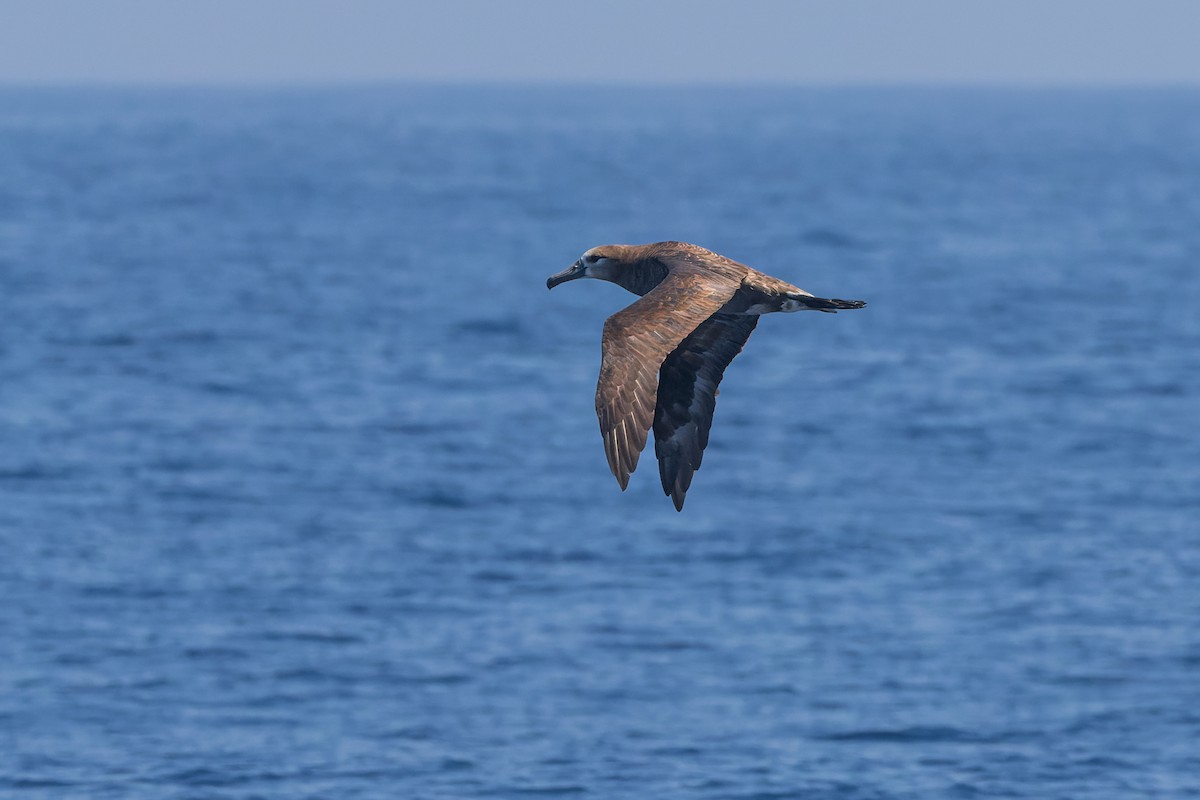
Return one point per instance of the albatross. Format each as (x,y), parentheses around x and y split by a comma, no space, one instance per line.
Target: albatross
(663,357)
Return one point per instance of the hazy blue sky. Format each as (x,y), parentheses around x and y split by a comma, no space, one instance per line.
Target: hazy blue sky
(663,41)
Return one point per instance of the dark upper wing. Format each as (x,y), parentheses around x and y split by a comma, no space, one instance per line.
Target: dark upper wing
(687,396)
(635,342)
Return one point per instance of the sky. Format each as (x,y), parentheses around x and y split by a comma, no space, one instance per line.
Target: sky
(255,42)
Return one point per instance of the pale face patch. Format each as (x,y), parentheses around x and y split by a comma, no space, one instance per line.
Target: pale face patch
(595,265)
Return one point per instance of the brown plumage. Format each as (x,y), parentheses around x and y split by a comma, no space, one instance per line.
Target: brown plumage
(663,357)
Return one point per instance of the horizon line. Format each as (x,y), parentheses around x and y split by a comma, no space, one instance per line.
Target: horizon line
(517,83)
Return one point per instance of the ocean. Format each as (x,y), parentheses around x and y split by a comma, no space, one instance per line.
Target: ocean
(302,493)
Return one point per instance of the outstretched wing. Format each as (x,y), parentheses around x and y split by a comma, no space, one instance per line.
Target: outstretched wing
(635,342)
(687,396)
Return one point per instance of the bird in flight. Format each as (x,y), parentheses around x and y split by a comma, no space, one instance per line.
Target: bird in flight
(664,355)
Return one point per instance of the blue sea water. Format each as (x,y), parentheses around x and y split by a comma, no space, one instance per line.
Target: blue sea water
(302,493)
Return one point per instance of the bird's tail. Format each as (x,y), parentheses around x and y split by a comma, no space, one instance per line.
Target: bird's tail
(826,305)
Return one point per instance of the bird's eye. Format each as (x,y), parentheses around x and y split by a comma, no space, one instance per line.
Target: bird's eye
(591,259)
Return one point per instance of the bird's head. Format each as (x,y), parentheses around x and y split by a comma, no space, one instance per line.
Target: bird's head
(605,262)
